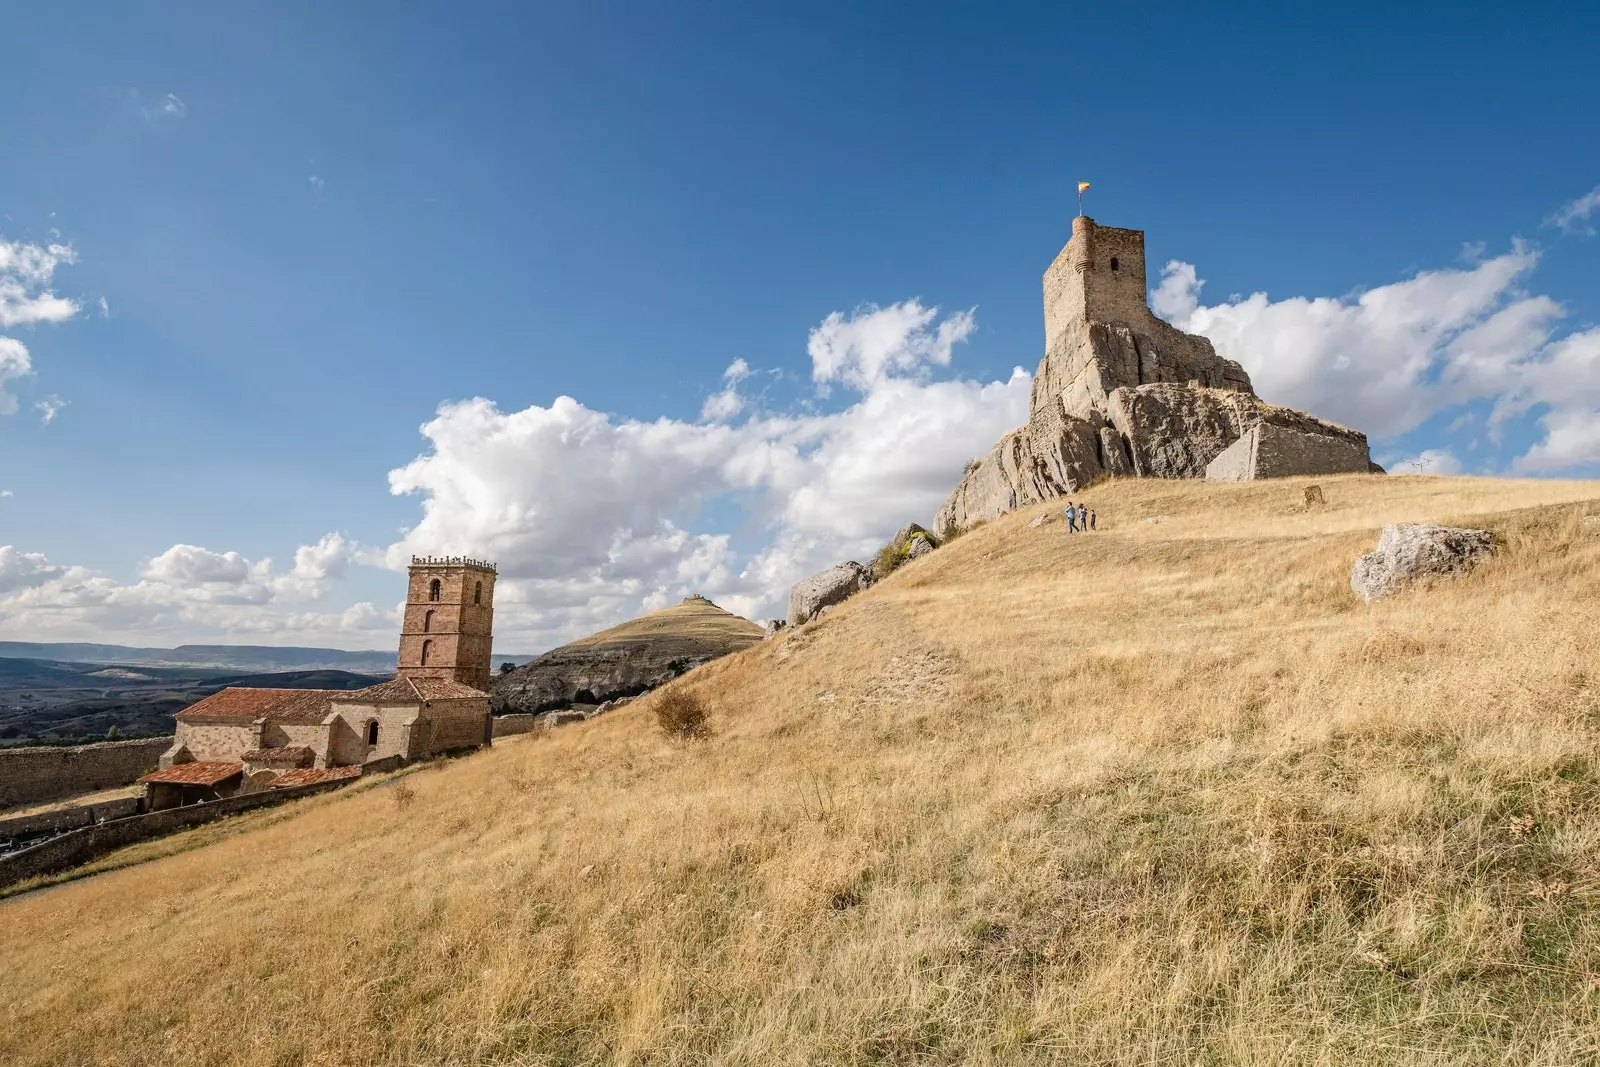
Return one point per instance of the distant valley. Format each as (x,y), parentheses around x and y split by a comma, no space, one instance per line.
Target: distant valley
(65,702)
(73,693)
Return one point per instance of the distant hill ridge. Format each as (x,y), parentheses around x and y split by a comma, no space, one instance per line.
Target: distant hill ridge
(625,660)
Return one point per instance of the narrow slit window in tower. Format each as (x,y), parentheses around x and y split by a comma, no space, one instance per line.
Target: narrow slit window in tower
(1113,264)
(477,593)
(427,647)
(372,732)
(427,623)
(433,589)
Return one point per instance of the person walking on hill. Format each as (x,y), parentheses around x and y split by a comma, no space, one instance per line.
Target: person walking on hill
(1072,518)
(1091,520)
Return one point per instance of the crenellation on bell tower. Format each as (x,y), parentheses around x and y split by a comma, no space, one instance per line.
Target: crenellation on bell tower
(448,629)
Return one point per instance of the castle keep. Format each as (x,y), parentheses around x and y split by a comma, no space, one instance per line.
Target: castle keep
(1120,392)
(241,740)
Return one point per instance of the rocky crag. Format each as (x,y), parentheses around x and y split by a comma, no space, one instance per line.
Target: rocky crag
(1120,392)
(625,660)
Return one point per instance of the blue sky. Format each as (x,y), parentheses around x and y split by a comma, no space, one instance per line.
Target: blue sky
(311,228)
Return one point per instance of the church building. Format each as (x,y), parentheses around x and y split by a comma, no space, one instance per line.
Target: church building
(242,740)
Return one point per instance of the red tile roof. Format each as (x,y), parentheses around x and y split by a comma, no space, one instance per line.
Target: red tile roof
(299,753)
(408,690)
(312,776)
(240,706)
(207,773)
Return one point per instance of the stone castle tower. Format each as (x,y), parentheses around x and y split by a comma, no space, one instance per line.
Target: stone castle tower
(448,631)
(1122,393)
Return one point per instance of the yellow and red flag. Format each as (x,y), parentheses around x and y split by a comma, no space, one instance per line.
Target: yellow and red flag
(1081,187)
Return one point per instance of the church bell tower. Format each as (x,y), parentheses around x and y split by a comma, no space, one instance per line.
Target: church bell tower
(448,630)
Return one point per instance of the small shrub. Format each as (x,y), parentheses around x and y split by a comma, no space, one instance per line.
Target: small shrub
(682,716)
(404,795)
(889,559)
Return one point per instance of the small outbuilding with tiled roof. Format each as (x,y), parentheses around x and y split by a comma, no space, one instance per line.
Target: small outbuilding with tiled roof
(190,783)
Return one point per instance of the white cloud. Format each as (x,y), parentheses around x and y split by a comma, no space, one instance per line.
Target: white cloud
(1428,461)
(5,493)
(591,516)
(49,408)
(23,570)
(1384,359)
(187,592)
(867,347)
(14,364)
(105,307)
(725,404)
(1574,215)
(26,271)
(26,299)
(192,565)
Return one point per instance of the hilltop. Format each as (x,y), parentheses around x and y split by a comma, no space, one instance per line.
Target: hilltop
(625,660)
(1167,793)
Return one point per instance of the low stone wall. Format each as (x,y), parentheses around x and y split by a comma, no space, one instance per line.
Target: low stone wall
(62,819)
(81,846)
(507,725)
(34,775)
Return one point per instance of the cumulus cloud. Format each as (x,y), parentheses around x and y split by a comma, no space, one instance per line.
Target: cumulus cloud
(26,298)
(1384,359)
(592,516)
(869,346)
(1573,217)
(190,591)
(22,570)
(1389,358)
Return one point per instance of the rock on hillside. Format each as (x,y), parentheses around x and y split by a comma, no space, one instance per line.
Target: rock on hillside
(625,660)
(1408,552)
(1120,392)
(809,596)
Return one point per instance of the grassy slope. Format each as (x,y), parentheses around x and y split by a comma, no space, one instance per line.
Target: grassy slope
(1164,794)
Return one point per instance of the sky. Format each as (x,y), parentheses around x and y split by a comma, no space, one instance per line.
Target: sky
(644,300)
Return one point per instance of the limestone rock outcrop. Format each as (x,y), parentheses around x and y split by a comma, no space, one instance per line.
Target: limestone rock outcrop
(807,598)
(1410,551)
(625,660)
(1120,392)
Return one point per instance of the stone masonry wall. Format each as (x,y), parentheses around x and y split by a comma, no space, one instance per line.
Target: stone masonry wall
(1282,452)
(509,725)
(1270,450)
(58,820)
(81,846)
(32,775)
(218,741)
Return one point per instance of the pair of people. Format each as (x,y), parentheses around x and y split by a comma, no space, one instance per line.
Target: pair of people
(1079,518)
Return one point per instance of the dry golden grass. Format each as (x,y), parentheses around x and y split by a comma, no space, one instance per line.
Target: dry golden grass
(1168,793)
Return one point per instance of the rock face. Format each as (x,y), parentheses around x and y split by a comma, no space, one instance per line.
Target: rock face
(1408,552)
(625,660)
(908,543)
(840,582)
(1120,392)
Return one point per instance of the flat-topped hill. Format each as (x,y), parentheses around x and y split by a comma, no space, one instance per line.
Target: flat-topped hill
(1166,793)
(637,655)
